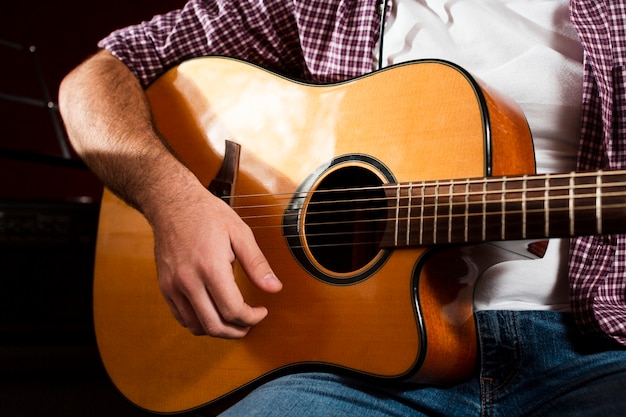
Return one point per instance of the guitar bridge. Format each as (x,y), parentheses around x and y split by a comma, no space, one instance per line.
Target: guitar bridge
(225,183)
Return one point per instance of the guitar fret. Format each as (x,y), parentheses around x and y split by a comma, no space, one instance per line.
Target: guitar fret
(450,207)
(524,202)
(422,211)
(436,207)
(408,215)
(395,237)
(503,210)
(467,190)
(546,197)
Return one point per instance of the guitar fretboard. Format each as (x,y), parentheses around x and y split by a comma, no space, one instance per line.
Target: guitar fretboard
(505,208)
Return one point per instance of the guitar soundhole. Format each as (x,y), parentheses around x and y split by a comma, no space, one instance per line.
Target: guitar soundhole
(345,219)
(335,223)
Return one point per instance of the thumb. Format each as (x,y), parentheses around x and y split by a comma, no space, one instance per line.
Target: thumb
(255,265)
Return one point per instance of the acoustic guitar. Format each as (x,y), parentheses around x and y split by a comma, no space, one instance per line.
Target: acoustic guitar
(370,198)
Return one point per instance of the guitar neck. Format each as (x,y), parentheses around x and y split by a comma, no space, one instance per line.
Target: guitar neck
(505,208)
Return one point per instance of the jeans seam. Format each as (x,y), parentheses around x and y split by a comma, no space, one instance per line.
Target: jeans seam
(486,397)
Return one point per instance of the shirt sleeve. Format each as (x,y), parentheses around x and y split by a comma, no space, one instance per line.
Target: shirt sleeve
(267,36)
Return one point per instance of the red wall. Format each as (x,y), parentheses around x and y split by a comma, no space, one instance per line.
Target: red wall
(64,33)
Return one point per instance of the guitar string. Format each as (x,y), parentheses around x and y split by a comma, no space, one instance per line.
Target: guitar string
(257,229)
(446,215)
(379,242)
(460,183)
(459,196)
(449,215)
(458,199)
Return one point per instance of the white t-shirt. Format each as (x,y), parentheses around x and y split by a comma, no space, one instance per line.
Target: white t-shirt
(528,50)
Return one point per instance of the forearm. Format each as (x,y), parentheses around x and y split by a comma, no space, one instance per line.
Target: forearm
(197,236)
(108,121)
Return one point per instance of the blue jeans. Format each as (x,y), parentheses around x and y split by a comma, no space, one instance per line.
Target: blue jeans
(532,363)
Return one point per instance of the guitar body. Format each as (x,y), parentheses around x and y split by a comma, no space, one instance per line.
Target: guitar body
(390,314)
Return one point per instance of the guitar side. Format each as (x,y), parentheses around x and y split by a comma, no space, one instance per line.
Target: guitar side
(400,320)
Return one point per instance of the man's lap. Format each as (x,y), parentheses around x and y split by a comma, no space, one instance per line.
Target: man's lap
(531,364)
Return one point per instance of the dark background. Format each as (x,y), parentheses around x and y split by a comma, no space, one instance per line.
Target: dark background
(49,204)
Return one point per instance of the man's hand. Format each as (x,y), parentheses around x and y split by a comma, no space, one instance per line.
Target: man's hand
(195,247)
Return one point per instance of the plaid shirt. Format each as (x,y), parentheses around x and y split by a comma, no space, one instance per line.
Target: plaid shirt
(325,41)
(598,264)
